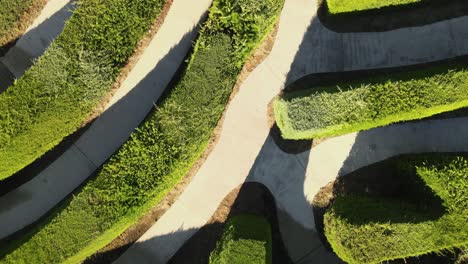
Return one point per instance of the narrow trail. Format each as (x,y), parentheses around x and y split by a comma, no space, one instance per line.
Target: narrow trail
(127,109)
(246,152)
(35,41)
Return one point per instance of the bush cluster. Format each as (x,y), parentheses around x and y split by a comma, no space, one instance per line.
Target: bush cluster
(360,105)
(365,229)
(52,99)
(157,155)
(246,239)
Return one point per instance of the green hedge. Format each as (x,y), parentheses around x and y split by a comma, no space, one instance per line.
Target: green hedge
(246,239)
(162,150)
(62,89)
(364,229)
(360,105)
(348,6)
(13,19)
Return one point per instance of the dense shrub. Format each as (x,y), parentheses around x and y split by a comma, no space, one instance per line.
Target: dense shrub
(360,105)
(62,89)
(246,239)
(158,154)
(364,229)
(15,16)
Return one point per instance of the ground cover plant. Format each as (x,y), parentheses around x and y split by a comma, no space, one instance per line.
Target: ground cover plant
(246,239)
(162,150)
(360,105)
(62,89)
(371,229)
(348,6)
(15,17)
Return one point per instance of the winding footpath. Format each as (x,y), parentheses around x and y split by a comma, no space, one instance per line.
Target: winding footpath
(246,152)
(126,110)
(35,41)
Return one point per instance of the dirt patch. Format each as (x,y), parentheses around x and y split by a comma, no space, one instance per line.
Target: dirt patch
(249,198)
(390,18)
(382,180)
(17,30)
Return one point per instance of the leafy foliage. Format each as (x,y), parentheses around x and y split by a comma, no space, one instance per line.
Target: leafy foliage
(363,229)
(56,95)
(157,155)
(246,239)
(348,6)
(360,105)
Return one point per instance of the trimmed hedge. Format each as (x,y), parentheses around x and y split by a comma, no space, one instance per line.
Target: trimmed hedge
(15,15)
(363,229)
(246,239)
(52,99)
(349,6)
(162,150)
(360,105)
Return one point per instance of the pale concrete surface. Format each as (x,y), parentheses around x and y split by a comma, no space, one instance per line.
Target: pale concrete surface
(131,103)
(246,152)
(37,38)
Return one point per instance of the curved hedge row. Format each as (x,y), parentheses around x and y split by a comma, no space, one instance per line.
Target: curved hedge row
(15,17)
(162,150)
(363,229)
(245,239)
(52,99)
(349,6)
(360,105)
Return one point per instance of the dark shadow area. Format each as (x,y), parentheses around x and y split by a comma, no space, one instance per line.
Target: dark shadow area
(392,17)
(289,145)
(160,75)
(47,29)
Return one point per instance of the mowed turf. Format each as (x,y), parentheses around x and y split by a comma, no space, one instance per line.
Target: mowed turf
(367,229)
(163,148)
(246,240)
(349,6)
(55,97)
(360,105)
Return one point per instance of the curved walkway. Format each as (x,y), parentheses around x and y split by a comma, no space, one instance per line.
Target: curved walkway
(128,107)
(245,151)
(35,41)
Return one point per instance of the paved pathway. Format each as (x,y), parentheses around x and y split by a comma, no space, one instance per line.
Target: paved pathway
(129,106)
(246,152)
(35,41)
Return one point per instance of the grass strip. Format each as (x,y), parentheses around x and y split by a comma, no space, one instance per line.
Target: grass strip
(162,150)
(246,239)
(360,105)
(52,99)
(350,6)
(365,229)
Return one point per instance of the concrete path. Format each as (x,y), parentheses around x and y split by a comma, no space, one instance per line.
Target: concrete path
(127,109)
(245,151)
(35,41)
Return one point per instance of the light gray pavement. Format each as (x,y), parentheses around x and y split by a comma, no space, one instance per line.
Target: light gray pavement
(128,107)
(246,152)
(35,41)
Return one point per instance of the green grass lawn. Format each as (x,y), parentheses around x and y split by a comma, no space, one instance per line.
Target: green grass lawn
(366,229)
(53,98)
(15,16)
(348,6)
(360,105)
(162,150)
(246,240)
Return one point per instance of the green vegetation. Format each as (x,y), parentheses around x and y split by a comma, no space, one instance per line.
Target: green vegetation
(246,239)
(162,150)
(360,105)
(15,16)
(62,89)
(348,6)
(363,229)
